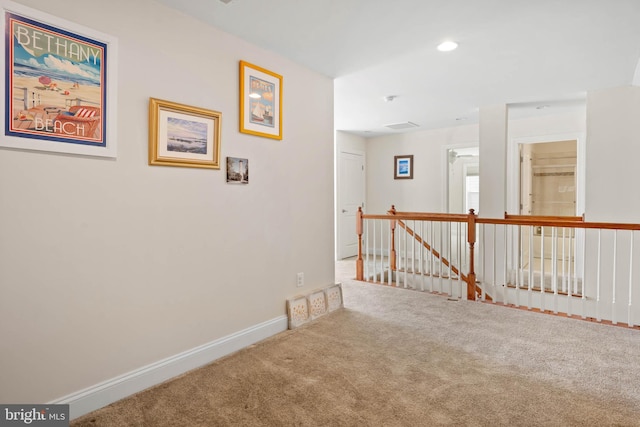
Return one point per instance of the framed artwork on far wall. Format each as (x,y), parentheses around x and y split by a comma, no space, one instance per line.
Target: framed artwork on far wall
(260,101)
(403,167)
(237,170)
(59,84)
(181,135)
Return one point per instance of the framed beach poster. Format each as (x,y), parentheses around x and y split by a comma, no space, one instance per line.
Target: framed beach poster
(403,167)
(59,87)
(260,101)
(181,135)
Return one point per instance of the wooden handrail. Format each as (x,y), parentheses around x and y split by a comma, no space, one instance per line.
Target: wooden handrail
(429,217)
(433,216)
(544,218)
(534,221)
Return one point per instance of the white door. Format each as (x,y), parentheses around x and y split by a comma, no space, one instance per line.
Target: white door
(351,191)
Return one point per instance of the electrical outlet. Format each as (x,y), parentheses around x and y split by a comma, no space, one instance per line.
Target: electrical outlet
(300,281)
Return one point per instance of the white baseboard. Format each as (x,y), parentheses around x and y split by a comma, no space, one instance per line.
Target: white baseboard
(107,392)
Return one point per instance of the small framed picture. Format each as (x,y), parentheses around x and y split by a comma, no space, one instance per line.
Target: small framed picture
(260,101)
(403,167)
(237,170)
(180,135)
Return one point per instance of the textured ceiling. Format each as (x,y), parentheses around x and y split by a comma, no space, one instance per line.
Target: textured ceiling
(522,53)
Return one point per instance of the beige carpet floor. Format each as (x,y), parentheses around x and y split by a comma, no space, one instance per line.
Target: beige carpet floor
(395,357)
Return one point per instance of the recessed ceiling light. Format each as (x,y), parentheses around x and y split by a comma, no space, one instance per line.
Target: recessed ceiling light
(542,107)
(447,46)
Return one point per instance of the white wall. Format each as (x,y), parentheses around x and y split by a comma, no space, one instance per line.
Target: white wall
(425,193)
(107,266)
(613,150)
(349,142)
(493,165)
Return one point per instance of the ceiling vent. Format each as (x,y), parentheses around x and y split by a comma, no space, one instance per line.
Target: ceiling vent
(403,125)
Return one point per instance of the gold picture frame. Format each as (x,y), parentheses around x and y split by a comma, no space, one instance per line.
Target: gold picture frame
(181,135)
(260,101)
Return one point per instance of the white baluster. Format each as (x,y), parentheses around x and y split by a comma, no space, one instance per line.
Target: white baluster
(584,276)
(575,261)
(382,223)
(564,272)
(542,285)
(421,256)
(482,265)
(517,262)
(390,243)
(413,256)
(571,268)
(366,250)
(530,284)
(449,258)
(440,233)
(629,317)
(431,266)
(505,288)
(459,256)
(406,257)
(598,318)
(615,263)
(493,268)
(554,267)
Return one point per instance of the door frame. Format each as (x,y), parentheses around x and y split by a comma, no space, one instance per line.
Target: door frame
(338,192)
(513,169)
(445,170)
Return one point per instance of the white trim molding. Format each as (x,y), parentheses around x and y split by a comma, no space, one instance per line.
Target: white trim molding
(107,392)
(445,169)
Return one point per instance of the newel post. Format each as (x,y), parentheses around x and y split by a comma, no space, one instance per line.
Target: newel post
(392,255)
(359,261)
(471,239)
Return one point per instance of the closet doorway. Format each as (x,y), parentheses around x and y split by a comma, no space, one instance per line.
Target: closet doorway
(548,178)
(548,182)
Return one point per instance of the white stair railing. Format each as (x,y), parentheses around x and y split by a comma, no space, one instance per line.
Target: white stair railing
(559,265)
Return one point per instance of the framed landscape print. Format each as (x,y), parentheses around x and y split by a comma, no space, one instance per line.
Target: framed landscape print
(59,86)
(180,135)
(260,101)
(403,167)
